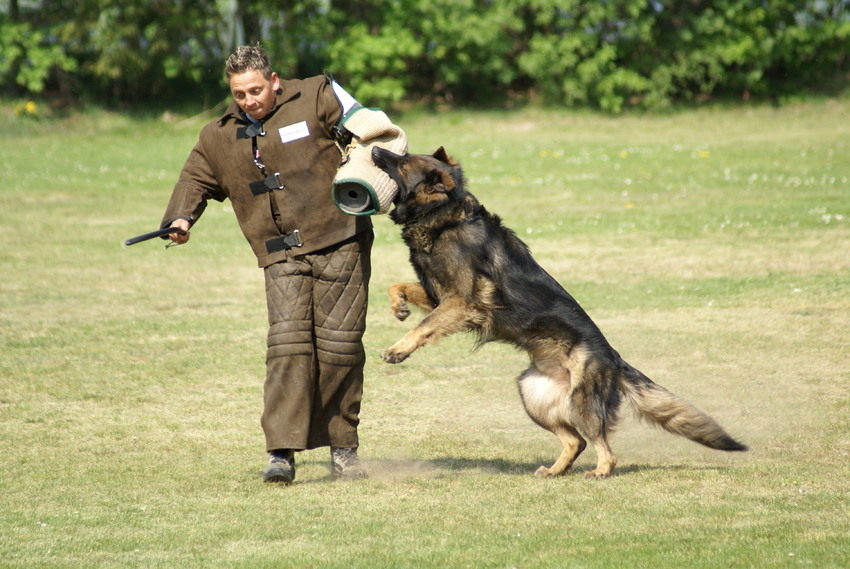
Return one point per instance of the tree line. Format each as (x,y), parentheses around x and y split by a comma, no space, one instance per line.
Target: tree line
(608,54)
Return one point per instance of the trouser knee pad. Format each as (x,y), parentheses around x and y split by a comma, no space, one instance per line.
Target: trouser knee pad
(339,347)
(290,339)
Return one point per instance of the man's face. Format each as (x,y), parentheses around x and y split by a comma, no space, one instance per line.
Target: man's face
(254,93)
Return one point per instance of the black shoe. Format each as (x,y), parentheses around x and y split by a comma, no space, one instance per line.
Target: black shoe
(345,464)
(281,467)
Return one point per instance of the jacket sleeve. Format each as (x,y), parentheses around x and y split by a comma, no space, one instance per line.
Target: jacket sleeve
(197,184)
(329,109)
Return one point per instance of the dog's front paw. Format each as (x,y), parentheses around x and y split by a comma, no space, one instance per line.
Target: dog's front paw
(394,356)
(400,309)
(402,349)
(402,313)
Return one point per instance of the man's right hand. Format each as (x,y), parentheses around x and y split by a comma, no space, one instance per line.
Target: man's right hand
(178,238)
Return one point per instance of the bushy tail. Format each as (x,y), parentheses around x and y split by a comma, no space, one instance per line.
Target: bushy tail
(674,415)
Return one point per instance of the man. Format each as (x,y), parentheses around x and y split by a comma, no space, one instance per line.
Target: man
(273,154)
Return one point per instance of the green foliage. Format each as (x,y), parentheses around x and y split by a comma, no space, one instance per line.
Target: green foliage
(575,50)
(652,54)
(441,50)
(469,48)
(140,49)
(296,34)
(375,65)
(609,55)
(28,56)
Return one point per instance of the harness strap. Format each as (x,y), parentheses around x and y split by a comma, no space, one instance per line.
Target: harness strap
(267,184)
(252,130)
(284,242)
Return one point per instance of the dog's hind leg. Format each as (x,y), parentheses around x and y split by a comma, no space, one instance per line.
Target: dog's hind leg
(573,444)
(546,398)
(605,458)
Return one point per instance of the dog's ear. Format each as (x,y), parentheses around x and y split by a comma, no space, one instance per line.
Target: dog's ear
(447,181)
(439,181)
(440,154)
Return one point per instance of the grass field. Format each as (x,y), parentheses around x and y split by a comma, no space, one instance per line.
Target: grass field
(712,247)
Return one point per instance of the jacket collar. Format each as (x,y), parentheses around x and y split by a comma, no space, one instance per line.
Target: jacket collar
(286,93)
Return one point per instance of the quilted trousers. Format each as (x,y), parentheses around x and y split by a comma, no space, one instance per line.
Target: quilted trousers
(314,363)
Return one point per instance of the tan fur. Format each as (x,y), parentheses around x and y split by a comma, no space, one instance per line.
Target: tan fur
(452,315)
(403,293)
(674,415)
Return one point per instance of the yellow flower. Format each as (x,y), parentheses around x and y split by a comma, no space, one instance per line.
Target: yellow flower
(30,107)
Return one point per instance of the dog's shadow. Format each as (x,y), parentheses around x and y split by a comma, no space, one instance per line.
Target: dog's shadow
(446,466)
(502,466)
(489,465)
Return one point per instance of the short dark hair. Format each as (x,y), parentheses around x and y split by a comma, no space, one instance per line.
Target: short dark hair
(248,58)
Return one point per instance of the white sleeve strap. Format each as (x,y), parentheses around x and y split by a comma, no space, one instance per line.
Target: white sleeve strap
(346,101)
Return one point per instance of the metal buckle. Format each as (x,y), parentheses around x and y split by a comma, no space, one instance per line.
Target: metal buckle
(278,185)
(267,184)
(284,242)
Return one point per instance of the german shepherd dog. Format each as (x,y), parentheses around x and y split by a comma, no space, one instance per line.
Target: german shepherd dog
(476,274)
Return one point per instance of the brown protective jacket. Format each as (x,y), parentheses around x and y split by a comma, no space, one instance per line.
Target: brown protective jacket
(298,143)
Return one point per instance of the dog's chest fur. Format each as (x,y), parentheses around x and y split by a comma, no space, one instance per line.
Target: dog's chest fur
(420,235)
(440,247)
(418,239)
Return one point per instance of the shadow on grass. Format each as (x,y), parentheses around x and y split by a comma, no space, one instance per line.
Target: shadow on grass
(528,468)
(398,469)
(496,465)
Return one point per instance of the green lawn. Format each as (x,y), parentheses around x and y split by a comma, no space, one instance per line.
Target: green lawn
(711,246)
